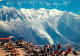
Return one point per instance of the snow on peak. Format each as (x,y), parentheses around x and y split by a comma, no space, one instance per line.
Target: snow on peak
(5,7)
(42,9)
(73,14)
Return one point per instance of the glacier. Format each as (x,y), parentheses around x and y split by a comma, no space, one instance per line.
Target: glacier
(42,26)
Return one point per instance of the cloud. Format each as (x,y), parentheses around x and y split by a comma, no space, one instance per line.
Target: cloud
(4,26)
(1,0)
(4,6)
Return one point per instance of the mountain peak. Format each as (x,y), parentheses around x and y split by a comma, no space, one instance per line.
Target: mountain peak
(11,7)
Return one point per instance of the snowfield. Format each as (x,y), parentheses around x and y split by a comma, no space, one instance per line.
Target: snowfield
(40,26)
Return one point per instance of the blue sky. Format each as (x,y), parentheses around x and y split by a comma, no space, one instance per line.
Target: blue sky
(63,5)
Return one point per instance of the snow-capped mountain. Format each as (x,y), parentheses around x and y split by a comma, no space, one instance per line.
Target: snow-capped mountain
(40,26)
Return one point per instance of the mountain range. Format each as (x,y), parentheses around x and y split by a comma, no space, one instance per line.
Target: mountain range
(42,26)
